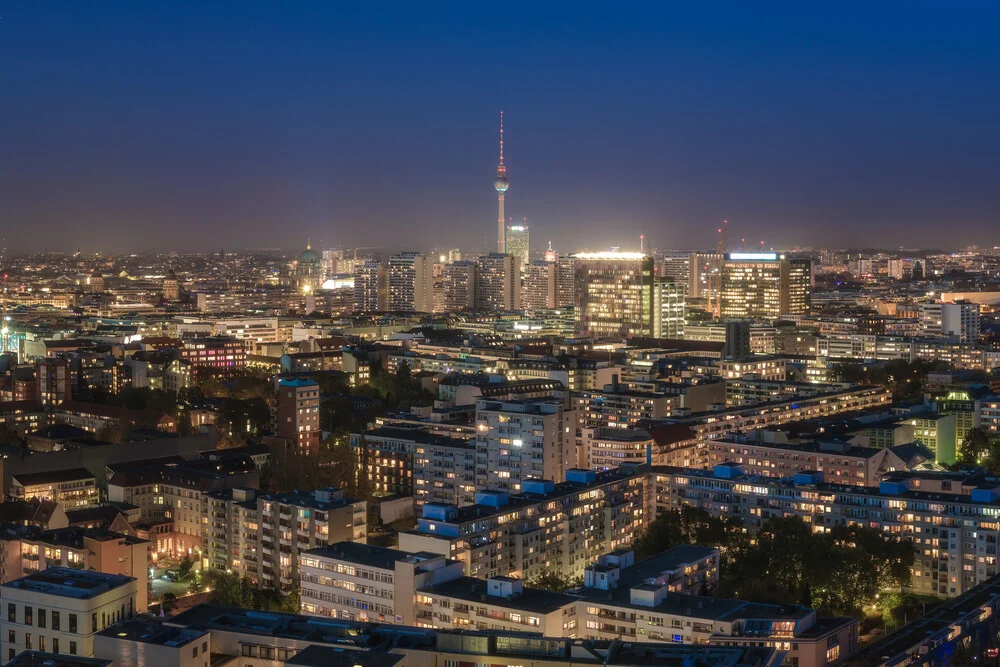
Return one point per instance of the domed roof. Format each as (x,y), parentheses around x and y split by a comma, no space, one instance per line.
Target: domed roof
(97,274)
(308,256)
(171,275)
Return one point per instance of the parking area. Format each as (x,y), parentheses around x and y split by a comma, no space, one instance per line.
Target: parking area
(162,586)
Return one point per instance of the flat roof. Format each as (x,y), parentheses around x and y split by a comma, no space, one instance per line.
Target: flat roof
(530,600)
(70,583)
(370,555)
(151,632)
(42,659)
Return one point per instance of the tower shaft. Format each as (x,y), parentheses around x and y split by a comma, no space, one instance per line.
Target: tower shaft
(501,236)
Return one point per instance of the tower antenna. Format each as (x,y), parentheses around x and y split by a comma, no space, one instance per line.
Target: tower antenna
(500,184)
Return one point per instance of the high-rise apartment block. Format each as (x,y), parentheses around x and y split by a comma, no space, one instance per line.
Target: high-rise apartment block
(262,536)
(55,382)
(521,440)
(539,289)
(498,282)
(370,293)
(614,295)
(565,281)
(765,285)
(459,286)
(295,414)
(411,283)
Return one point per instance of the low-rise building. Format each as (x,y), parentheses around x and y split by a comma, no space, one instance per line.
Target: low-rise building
(73,488)
(62,609)
(358,582)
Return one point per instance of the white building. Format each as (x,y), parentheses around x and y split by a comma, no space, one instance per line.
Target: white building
(951,319)
(357,582)
(61,609)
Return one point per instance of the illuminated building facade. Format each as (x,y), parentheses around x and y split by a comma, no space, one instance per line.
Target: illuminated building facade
(520,440)
(668,308)
(309,270)
(411,283)
(219,355)
(614,295)
(539,288)
(498,282)
(765,286)
(518,243)
(295,414)
(459,286)
(565,281)
(370,287)
(549,527)
(951,518)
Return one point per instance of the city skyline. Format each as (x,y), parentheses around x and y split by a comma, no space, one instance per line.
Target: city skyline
(142,130)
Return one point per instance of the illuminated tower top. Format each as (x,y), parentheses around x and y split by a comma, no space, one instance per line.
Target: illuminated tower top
(500,184)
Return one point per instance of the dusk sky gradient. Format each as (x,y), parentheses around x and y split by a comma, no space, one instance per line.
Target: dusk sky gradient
(190,126)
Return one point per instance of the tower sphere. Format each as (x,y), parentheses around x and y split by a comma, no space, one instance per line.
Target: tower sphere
(501,184)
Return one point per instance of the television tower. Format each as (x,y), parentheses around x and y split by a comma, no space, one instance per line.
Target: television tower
(500,184)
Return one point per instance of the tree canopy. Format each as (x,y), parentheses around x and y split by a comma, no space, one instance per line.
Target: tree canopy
(786,562)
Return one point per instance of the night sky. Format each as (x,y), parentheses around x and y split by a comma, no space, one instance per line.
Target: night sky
(185,126)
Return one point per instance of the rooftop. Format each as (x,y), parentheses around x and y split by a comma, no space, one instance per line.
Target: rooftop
(66,582)
(149,632)
(365,554)
(41,659)
(530,599)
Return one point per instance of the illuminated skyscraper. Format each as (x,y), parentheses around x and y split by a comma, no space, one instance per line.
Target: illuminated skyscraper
(765,285)
(614,295)
(500,184)
(517,242)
